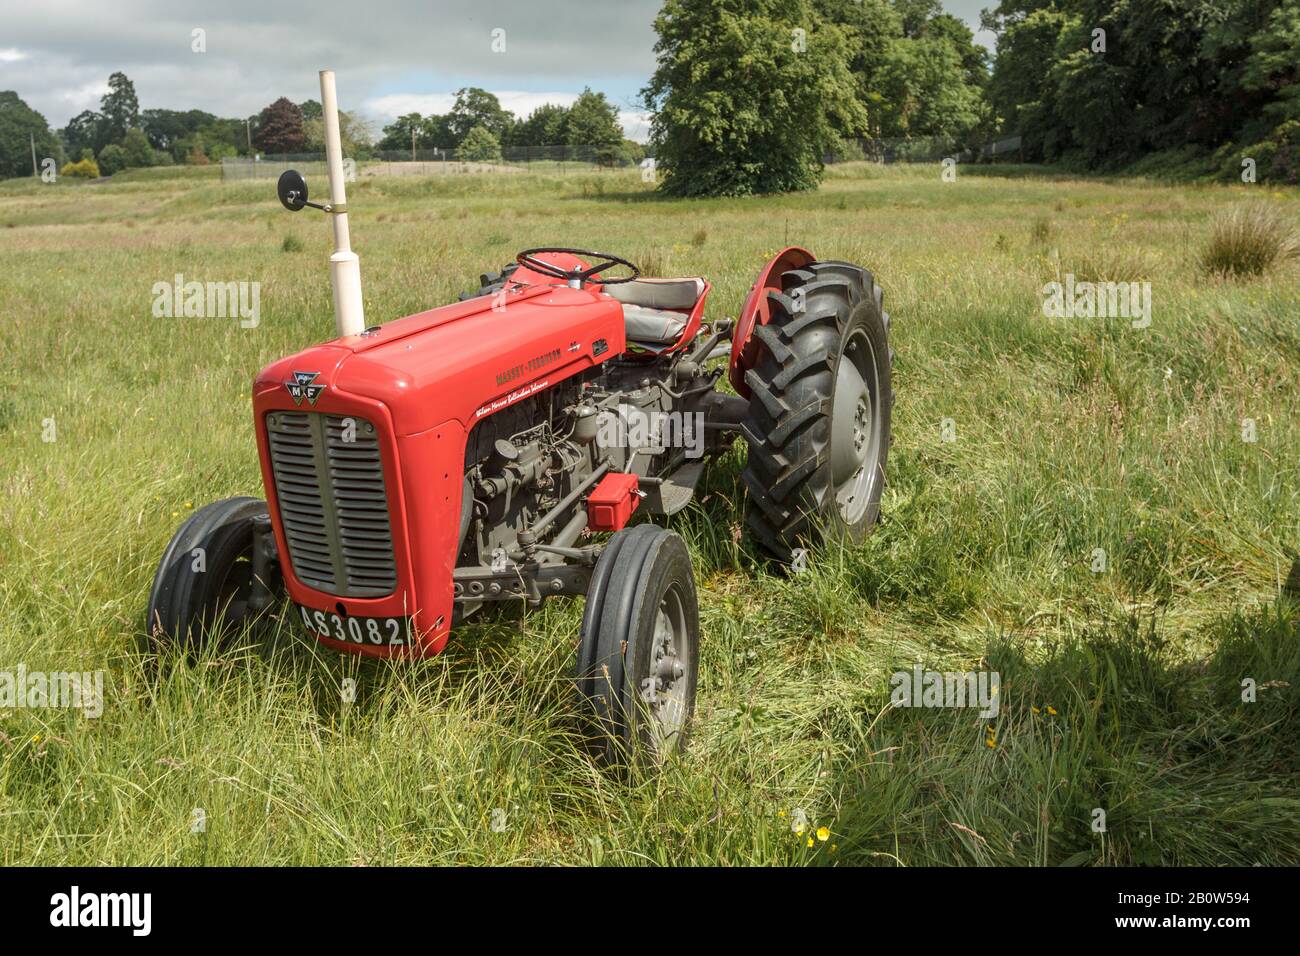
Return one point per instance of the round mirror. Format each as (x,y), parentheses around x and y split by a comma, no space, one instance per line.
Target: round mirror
(292,189)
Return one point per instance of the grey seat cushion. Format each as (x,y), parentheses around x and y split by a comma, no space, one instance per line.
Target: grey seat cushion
(646,305)
(658,293)
(655,326)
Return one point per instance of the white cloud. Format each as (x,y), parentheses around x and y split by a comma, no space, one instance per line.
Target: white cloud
(636,126)
(84,97)
(12,55)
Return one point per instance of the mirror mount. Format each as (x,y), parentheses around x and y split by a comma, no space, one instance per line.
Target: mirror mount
(292,190)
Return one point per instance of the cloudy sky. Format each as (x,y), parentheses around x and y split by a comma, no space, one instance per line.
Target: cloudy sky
(391,56)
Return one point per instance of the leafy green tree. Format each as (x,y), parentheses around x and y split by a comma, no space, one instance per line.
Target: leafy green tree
(112,159)
(165,127)
(479,146)
(311,110)
(916,14)
(931,92)
(120,107)
(593,121)
(476,107)
(545,126)
(437,132)
(136,148)
(87,130)
(19,124)
(399,133)
(748,96)
(1173,77)
(871,27)
(1273,66)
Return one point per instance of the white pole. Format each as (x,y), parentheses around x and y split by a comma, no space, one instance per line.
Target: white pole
(345,267)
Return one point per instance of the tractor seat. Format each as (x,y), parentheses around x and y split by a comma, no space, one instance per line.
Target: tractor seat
(655,310)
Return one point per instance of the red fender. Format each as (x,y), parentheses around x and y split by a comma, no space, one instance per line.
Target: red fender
(756,310)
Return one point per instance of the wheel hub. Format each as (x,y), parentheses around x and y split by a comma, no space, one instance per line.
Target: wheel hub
(665,666)
(854,429)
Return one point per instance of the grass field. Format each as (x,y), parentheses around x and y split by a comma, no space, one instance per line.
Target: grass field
(1121,688)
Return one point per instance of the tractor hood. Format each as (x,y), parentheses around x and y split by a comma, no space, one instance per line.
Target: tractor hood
(459,362)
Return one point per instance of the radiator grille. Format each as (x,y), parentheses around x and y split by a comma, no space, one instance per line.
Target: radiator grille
(333,505)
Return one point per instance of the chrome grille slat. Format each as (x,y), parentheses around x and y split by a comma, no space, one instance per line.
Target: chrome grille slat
(333,503)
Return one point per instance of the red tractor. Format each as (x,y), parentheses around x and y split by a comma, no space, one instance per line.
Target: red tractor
(495,449)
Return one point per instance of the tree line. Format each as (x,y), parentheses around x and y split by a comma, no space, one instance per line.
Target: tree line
(753,95)
(750,96)
(120,135)
(477,126)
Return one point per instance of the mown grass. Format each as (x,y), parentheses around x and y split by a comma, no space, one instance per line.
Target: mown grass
(1173,451)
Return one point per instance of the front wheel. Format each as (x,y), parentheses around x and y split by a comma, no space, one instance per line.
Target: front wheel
(638,657)
(205,582)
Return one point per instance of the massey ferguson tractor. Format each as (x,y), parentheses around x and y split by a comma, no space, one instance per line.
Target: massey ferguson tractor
(418,470)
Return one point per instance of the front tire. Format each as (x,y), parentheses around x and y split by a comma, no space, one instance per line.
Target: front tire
(638,656)
(818,425)
(204,581)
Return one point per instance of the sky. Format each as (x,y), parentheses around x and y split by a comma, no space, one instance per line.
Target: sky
(390,56)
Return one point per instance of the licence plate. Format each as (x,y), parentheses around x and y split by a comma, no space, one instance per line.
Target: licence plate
(376,631)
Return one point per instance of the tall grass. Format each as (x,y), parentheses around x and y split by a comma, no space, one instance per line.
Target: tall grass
(1248,240)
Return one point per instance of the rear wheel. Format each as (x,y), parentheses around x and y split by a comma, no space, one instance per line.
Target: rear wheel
(819,410)
(638,656)
(204,583)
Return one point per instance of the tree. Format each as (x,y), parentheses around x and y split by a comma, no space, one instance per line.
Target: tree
(404,130)
(932,86)
(915,14)
(119,106)
(19,124)
(112,159)
(87,130)
(476,107)
(1103,83)
(748,96)
(354,134)
(479,146)
(165,127)
(545,126)
(279,128)
(311,110)
(136,149)
(593,121)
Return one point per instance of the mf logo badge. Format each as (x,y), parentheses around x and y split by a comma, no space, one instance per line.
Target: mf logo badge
(301,387)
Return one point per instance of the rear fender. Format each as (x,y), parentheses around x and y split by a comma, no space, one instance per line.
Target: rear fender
(755,312)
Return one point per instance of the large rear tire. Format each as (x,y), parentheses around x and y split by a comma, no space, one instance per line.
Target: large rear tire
(638,656)
(204,581)
(818,425)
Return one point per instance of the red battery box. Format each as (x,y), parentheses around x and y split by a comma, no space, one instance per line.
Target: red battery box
(612,501)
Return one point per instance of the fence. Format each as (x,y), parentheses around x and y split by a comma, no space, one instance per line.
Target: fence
(513,159)
(922,150)
(428,162)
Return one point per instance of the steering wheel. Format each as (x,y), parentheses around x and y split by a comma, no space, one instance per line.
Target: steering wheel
(576,277)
